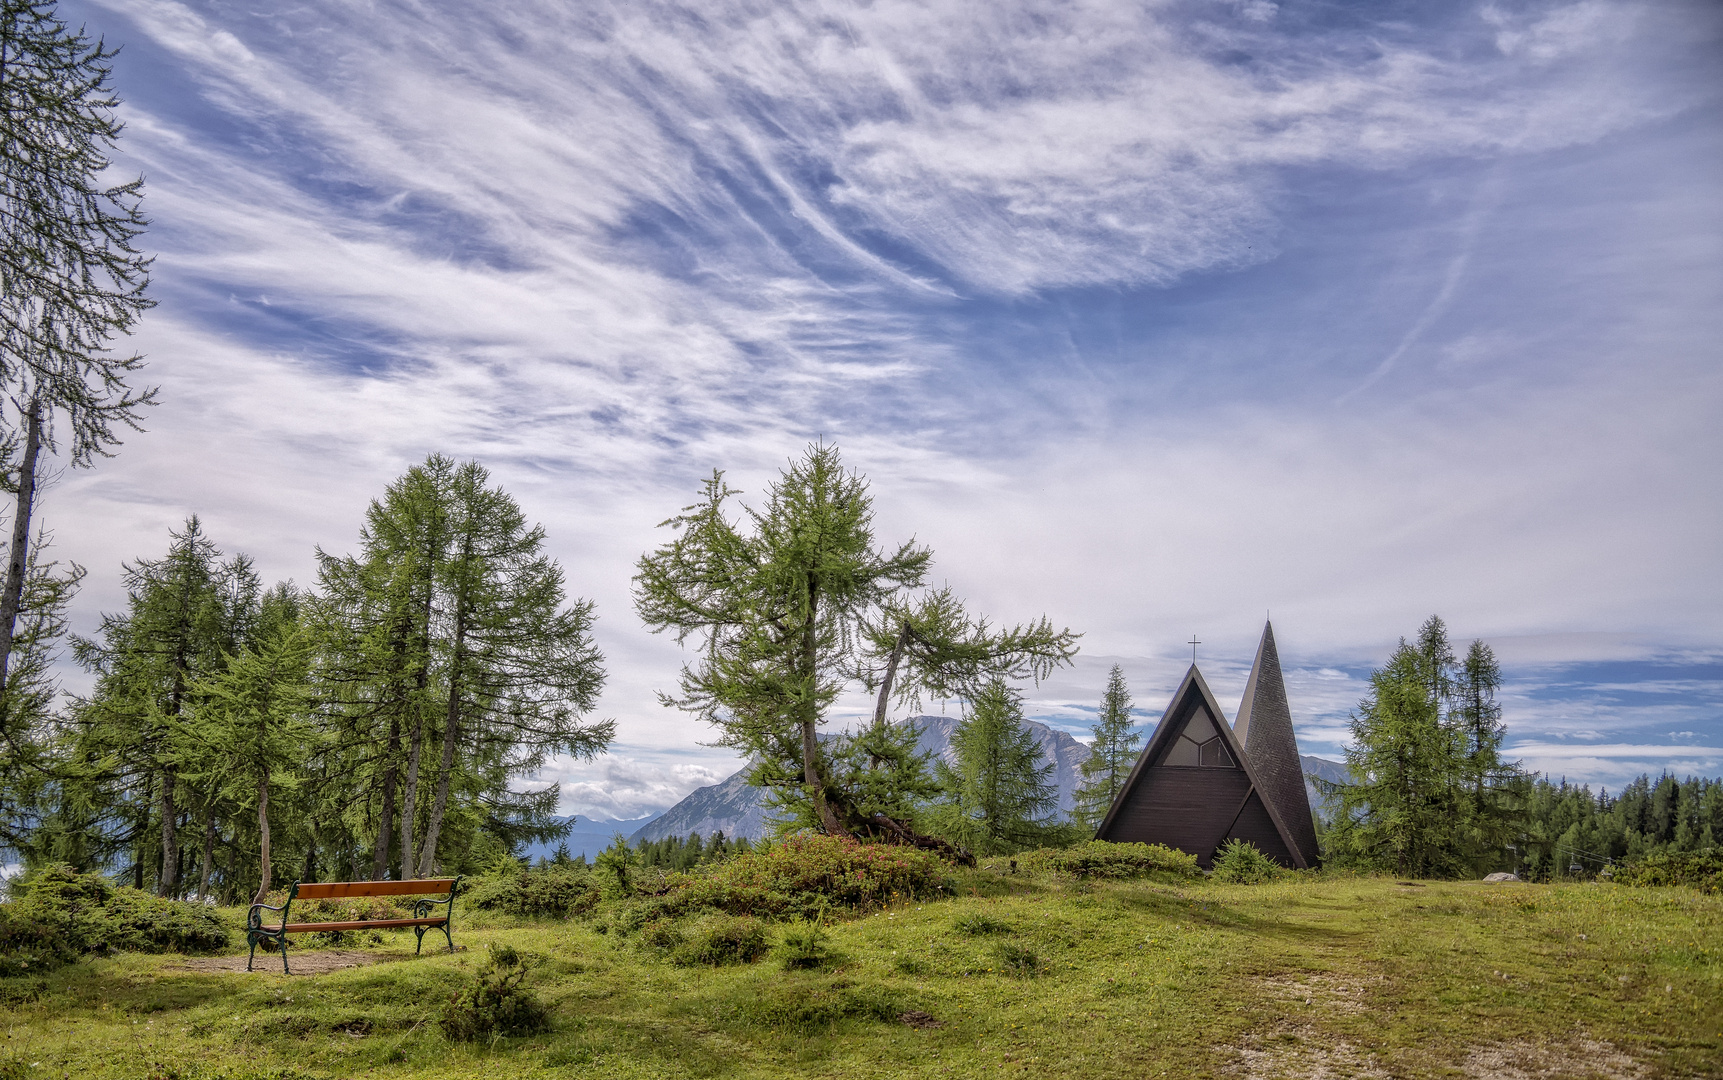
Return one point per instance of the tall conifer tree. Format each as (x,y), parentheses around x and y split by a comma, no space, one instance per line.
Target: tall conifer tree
(1111,755)
(454,656)
(999,796)
(1432,796)
(187,612)
(71,278)
(792,603)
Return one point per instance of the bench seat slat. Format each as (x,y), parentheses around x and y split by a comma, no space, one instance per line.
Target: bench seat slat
(334,890)
(361,924)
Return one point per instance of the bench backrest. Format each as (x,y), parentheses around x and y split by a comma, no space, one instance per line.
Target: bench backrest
(332,890)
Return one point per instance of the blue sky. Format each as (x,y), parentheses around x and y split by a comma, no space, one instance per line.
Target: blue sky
(1154,317)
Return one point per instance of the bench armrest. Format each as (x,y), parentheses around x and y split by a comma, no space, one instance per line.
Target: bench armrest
(422,906)
(254,921)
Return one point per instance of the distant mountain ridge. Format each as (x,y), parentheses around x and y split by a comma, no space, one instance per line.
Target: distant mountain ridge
(738,809)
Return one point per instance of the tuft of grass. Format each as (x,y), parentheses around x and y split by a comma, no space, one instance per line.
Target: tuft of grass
(1017,959)
(805,946)
(976,924)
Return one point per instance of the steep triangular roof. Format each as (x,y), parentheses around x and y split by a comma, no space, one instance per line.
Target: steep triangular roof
(1174,799)
(1264,726)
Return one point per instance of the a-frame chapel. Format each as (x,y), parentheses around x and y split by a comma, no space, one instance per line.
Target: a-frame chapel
(1201,782)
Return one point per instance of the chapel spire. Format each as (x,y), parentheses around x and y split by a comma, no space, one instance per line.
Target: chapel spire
(1264,729)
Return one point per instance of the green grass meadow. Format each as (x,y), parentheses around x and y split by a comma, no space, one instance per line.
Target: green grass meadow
(1020,975)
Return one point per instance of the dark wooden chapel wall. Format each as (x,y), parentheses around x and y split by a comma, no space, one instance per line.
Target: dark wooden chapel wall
(1193,788)
(1189,807)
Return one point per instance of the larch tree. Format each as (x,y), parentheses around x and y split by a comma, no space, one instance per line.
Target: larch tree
(252,731)
(455,656)
(1431,795)
(928,646)
(999,796)
(187,613)
(29,757)
(779,599)
(1111,755)
(377,613)
(792,603)
(71,277)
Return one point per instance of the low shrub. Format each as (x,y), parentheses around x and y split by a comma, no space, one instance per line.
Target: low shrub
(722,939)
(800,876)
(554,890)
(662,934)
(1238,862)
(1103,859)
(494,1002)
(1702,870)
(58,914)
(804,946)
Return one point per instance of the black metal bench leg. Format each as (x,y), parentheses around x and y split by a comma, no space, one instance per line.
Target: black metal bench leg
(420,931)
(281,943)
(448,938)
(253,954)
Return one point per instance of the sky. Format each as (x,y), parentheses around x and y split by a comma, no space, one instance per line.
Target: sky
(1158,318)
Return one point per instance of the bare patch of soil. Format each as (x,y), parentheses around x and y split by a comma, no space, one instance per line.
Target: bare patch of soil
(319,962)
(1523,1059)
(915,1018)
(1306,1054)
(1332,993)
(1303,1055)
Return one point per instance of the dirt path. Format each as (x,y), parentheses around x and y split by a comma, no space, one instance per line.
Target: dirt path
(318,962)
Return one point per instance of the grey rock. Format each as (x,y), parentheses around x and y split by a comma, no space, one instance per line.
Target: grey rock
(1500,877)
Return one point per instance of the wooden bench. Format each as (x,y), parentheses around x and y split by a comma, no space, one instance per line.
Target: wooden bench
(422,919)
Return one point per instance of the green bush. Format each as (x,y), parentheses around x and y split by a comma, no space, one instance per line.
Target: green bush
(1238,862)
(722,939)
(804,946)
(802,875)
(554,889)
(494,1002)
(662,934)
(1702,870)
(1103,859)
(58,914)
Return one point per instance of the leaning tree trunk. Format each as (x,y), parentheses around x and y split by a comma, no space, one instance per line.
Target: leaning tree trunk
(18,564)
(263,837)
(890,675)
